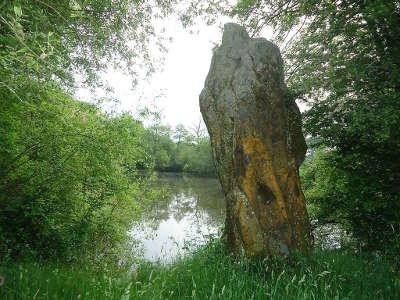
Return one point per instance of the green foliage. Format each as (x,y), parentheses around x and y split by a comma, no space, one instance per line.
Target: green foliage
(199,159)
(181,150)
(323,186)
(68,183)
(67,176)
(342,59)
(333,196)
(46,40)
(68,180)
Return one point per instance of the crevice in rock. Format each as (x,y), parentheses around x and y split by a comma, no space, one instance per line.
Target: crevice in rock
(264,195)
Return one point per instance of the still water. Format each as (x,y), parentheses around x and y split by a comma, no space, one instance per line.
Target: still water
(192,212)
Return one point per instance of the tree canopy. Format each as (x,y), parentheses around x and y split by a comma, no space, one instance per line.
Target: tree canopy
(55,40)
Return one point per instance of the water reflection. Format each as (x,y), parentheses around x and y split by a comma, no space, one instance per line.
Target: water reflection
(192,212)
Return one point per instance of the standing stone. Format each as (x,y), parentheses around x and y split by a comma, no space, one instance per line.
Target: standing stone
(257,145)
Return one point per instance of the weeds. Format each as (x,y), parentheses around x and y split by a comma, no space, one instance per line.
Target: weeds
(211,274)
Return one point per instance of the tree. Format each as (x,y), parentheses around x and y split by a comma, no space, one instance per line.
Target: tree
(342,60)
(199,131)
(182,135)
(53,40)
(67,176)
(67,170)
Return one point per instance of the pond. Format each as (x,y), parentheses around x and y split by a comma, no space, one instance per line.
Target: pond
(192,212)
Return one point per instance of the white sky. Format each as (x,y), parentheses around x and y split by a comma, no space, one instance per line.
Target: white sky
(186,66)
(181,81)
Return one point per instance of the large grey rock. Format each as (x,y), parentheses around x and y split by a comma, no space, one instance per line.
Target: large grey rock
(257,145)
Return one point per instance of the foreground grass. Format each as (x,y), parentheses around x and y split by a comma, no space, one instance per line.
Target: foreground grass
(54,281)
(210,274)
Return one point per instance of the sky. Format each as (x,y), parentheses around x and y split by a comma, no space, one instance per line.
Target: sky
(186,66)
(181,81)
(184,71)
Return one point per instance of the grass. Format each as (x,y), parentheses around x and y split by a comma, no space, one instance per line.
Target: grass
(54,281)
(210,274)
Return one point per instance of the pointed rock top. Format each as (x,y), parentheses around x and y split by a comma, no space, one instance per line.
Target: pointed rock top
(233,33)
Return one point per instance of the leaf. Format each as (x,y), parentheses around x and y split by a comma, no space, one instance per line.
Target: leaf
(18,11)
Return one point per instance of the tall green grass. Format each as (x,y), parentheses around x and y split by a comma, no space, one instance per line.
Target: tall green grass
(210,274)
(53,281)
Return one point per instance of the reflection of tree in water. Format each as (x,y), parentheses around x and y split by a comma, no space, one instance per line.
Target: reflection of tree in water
(188,196)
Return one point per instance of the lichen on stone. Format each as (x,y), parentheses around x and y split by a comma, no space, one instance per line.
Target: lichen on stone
(258,146)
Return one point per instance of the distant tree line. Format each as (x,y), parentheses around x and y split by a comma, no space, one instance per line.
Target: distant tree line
(181,149)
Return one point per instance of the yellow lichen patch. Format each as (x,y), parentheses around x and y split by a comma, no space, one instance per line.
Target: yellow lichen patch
(264,188)
(249,228)
(260,161)
(254,147)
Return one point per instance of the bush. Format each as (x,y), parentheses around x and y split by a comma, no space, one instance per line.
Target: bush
(336,195)
(67,175)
